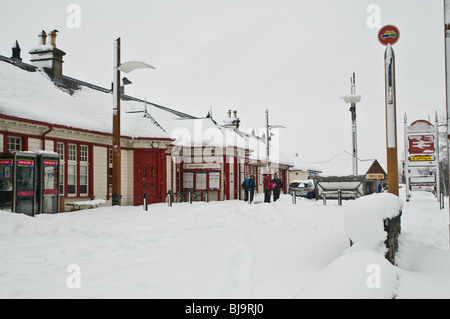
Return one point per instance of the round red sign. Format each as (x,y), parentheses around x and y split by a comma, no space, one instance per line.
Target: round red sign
(388,34)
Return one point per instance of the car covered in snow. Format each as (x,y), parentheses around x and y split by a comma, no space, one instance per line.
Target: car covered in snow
(301,187)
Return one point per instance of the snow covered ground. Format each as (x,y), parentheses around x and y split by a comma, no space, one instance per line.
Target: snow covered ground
(226,250)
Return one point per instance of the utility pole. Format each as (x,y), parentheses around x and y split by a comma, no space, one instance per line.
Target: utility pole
(116,160)
(405,124)
(352,100)
(353,111)
(437,159)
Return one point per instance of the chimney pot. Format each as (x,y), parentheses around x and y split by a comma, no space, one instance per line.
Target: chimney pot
(43,38)
(53,35)
(16,52)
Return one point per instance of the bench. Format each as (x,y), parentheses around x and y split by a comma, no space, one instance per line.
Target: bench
(87,204)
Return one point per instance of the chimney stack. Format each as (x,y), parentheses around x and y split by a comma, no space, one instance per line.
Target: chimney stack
(232,122)
(16,52)
(48,57)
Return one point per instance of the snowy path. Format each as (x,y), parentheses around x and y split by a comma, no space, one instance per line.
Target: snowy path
(424,252)
(216,250)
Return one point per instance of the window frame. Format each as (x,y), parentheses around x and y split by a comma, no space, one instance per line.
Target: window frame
(18,139)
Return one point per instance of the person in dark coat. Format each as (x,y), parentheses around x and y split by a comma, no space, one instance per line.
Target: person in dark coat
(245,187)
(266,184)
(277,189)
(251,187)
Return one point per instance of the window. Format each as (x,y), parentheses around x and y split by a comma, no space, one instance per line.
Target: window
(60,151)
(84,170)
(72,152)
(62,161)
(83,153)
(14,144)
(72,169)
(83,180)
(72,180)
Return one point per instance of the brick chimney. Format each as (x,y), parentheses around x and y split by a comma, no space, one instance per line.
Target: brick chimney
(232,121)
(47,56)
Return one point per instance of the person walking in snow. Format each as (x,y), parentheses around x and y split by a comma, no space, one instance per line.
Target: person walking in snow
(245,187)
(251,187)
(266,184)
(277,189)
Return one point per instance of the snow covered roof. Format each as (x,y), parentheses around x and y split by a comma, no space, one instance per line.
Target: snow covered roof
(28,93)
(33,95)
(302,165)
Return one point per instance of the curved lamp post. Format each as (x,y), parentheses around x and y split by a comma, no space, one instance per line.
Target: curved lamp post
(126,67)
(352,100)
(268,139)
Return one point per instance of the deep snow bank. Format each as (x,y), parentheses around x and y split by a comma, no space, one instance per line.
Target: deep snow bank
(364,219)
(362,271)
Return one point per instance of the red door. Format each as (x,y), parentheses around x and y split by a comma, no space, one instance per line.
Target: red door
(148,176)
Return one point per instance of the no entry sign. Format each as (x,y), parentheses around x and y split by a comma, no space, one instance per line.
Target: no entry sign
(388,34)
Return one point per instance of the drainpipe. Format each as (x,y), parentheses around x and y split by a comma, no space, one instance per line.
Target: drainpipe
(44,135)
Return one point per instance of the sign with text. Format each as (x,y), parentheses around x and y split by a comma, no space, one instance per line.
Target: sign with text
(375,176)
(25,162)
(421,158)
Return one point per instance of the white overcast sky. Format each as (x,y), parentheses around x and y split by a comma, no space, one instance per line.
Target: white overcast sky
(292,57)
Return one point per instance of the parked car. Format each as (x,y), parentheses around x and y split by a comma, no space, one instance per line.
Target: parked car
(385,189)
(301,188)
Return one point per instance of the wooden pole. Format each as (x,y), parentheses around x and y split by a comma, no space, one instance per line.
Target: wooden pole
(116,160)
(391,121)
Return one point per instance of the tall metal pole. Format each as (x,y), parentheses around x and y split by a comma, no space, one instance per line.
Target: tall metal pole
(354,135)
(267,140)
(447,77)
(391,121)
(438,169)
(406,158)
(116,160)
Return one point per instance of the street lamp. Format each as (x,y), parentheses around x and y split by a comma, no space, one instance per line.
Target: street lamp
(352,100)
(268,137)
(116,160)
